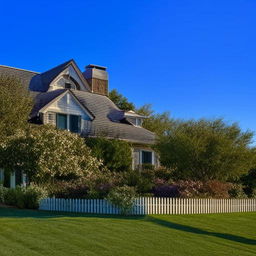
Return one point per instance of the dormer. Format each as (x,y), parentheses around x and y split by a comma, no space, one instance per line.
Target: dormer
(67,79)
(65,76)
(134,118)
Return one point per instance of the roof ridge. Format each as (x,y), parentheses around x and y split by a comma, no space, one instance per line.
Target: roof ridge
(62,64)
(5,66)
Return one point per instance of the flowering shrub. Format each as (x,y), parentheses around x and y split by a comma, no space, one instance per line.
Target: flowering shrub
(122,197)
(48,154)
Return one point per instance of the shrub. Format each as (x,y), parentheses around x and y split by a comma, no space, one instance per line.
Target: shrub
(164,173)
(237,191)
(49,154)
(115,154)
(123,198)
(216,189)
(253,194)
(68,189)
(11,197)
(249,182)
(166,191)
(2,193)
(140,180)
(22,197)
(33,195)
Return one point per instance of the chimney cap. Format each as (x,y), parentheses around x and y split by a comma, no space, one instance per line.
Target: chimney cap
(96,66)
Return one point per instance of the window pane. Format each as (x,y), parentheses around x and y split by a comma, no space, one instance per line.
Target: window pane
(146,157)
(74,123)
(62,121)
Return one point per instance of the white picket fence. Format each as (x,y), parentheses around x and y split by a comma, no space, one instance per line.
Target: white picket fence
(151,205)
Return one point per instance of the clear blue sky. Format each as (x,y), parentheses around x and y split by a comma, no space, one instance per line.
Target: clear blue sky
(194,58)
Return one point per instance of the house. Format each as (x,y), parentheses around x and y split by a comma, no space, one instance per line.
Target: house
(78,101)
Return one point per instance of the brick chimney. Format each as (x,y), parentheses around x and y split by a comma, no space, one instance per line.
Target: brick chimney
(97,77)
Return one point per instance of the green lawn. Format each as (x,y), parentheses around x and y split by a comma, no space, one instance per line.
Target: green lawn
(24,232)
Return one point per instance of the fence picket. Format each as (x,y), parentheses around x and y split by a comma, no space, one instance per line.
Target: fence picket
(151,205)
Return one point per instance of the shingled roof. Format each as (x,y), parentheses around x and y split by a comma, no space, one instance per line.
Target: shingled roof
(109,120)
(23,75)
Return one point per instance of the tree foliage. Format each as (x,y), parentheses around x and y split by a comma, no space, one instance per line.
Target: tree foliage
(15,106)
(45,153)
(160,124)
(115,154)
(121,101)
(206,150)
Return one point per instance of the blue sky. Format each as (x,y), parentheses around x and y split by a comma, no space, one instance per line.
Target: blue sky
(194,58)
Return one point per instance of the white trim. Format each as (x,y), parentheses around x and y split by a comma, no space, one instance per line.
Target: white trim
(82,83)
(44,109)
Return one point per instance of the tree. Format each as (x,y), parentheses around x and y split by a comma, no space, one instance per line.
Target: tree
(121,101)
(206,150)
(46,154)
(115,154)
(15,106)
(160,124)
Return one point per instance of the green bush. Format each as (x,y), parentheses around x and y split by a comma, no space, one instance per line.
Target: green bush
(123,198)
(115,154)
(22,197)
(237,191)
(142,181)
(11,197)
(2,193)
(32,196)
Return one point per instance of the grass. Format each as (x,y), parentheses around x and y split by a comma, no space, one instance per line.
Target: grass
(24,232)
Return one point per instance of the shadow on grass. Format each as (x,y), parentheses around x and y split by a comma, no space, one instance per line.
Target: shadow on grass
(17,213)
(199,231)
(24,213)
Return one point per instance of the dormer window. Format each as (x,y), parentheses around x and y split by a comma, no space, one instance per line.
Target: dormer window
(68,85)
(138,122)
(134,118)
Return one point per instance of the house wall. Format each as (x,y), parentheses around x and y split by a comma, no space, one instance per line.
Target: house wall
(66,105)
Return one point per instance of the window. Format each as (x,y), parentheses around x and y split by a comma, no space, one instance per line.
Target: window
(138,122)
(74,123)
(69,122)
(68,85)
(147,157)
(62,121)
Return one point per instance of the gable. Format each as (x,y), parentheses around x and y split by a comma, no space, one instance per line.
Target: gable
(46,81)
(68,76)
(67,104)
